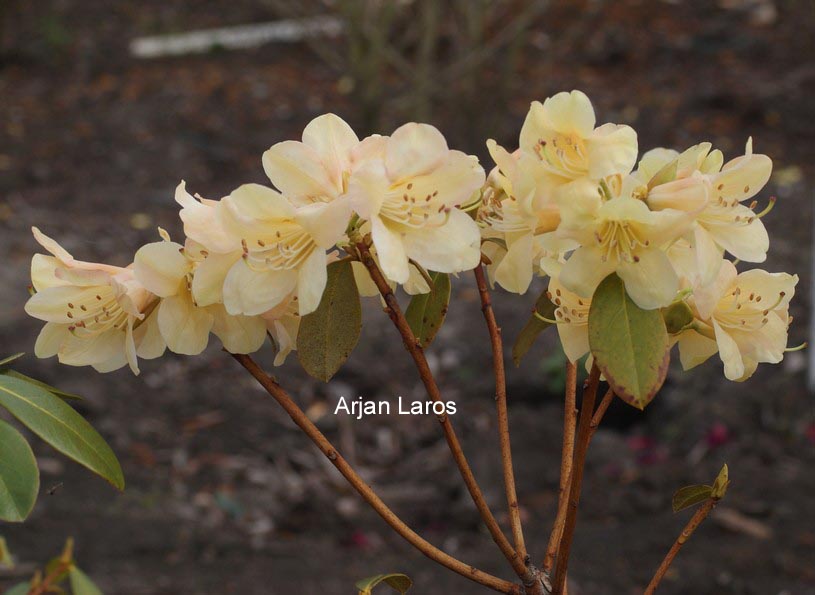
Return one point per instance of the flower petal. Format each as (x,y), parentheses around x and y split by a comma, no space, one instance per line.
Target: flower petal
(414,149)
(251,292)
(584,271)
(611,149)
(161,267)
(297,171)
(514,273)
(51,337)
(332,139)
(311,280)
(184,326)
(652,282)
(449,248)
(209,277)
(389,246)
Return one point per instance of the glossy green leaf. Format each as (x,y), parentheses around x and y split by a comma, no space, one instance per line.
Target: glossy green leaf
(690,496)
(399,582)
(720,484)
(6,361)
(533,327)
(666,174)
(19,475)
(629,344)
(19,589)
(60,426)
(677,316)
(426,312)
(51,389)
(328,335)
(81,584)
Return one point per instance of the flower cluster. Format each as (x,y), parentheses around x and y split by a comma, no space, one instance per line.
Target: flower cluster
(569,203)
(255,261)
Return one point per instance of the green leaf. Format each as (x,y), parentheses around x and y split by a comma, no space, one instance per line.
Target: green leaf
(51,389)
(690,496)
(81,584)
(677,316)
(11,358)
(533,327)
(328,335)
(666,174)
(19,476)
(720,484)
(629,344)
(60,426)
(400,582)
(19,589)
(426,311)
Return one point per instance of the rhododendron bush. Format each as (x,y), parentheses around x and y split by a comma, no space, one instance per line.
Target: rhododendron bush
(641,250)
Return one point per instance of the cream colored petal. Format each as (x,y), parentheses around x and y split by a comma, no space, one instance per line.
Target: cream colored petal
(712,163)
(202,224)
(115,362)
(514,273)
(239,334)
(371,147)
(365,285)
(611,149)
(325,222)
(695,349)
(184,327)
(580,204)
(706,297)
(161,267)
(43,272)
(51,304)
(584,271)
(414,149)
(684,194)
(391,251)
(284,332)
(52,246)
(729,353)
(575,340)
(707,255)
(130,348)
(452,247)
(367,188)
(416,283)
(50,339)
(746,241)
(209,277)
(743,177)
(332,139)
(92,350)
(311,280)
(149,342)
(652,282)
(253,203)
(297,170)
(569,113)
(769,285)
(251,293)
(451,183)
(653,161)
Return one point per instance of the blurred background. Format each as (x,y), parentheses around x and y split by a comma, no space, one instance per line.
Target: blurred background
(99,124)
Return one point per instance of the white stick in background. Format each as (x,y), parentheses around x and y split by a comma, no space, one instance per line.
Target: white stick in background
(238,37)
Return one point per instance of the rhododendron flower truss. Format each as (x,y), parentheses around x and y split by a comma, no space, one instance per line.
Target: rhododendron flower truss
(96,314)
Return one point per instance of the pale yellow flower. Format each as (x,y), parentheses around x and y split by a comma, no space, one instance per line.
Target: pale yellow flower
(520,209)
(714,194)
(410,196)
(620,235)
(561,133)
(742,316)
(261,248)
(168,270)
(572,318)
(96,314)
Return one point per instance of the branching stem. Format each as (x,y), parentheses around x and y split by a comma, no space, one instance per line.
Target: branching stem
(304,423)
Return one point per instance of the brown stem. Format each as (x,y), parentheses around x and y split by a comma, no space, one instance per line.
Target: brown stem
(529,576)
(601,411)
(304,423)
(693,523)
(581,447)
(414,347)
(567,454)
